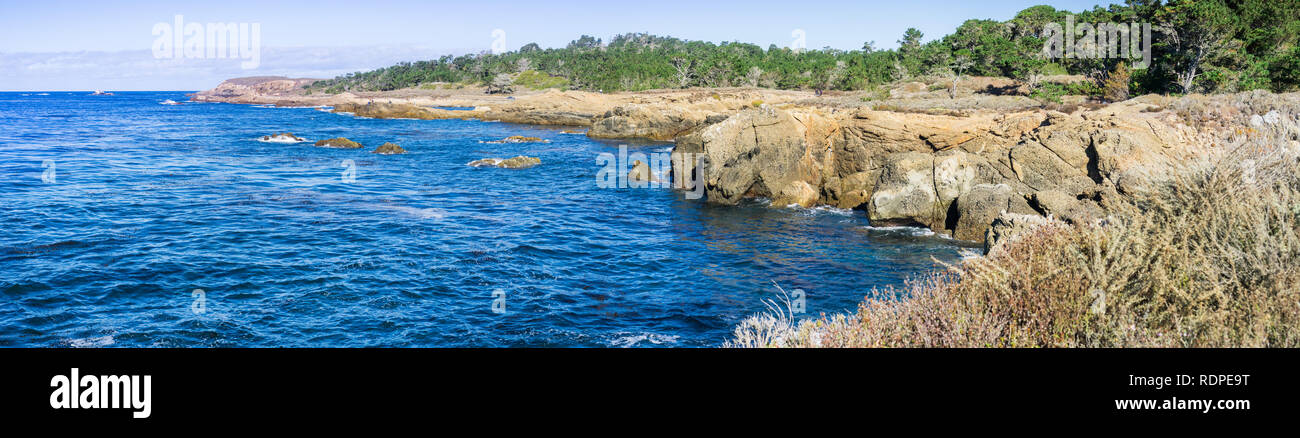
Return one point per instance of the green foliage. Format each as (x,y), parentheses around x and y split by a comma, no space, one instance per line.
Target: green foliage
(1201,45)
(535,80)
(1052,91)
(1116,86)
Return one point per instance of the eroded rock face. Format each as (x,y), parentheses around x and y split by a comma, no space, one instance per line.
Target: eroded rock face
(1066,207)
(905,192)
(757,152)
(1009,226)
(977,208)
(951,174)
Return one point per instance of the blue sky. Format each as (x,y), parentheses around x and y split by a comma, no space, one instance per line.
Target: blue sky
(81,45)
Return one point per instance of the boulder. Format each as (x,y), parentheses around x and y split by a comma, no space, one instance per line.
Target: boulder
(798,193)
(1065,206)
(977,208)
(339,142)
(905,193)
(640,172)
(1008,227)
(1040,168)
(520,162)
(389,149)
(757,152)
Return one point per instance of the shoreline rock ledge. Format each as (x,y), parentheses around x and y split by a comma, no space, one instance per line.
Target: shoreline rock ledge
(954,172)
(954,175)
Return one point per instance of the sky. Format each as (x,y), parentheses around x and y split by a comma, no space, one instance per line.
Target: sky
(112,45)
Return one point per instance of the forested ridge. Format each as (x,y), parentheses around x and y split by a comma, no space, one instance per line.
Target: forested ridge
(1204,46)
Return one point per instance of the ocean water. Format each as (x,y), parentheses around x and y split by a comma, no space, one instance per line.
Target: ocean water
(127,223)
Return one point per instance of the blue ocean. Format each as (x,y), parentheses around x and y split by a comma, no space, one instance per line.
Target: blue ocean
(128,223)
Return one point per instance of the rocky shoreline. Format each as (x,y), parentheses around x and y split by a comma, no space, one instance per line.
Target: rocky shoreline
(954,172)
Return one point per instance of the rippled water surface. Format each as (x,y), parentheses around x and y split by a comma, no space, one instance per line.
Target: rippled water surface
(149,203)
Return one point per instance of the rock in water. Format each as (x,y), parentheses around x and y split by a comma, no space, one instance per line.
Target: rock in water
(640,172)
(757,152)
(518,139)
(340,143)
(389,149)
(284,137)
(485,162)
(520,162)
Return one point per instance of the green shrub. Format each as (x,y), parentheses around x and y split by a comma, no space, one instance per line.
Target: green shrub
(535,80)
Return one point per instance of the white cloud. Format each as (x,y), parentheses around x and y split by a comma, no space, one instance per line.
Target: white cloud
(139,70)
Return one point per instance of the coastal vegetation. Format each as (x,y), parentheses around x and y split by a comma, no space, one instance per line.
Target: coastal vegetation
(1197,46)
(1203,257)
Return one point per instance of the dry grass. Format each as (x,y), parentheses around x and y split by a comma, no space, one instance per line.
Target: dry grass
(1209,257)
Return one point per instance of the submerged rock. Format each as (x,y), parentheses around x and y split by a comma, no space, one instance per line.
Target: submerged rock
(284,137)
(339,142)
(518,139)
(389,149)
(520,162)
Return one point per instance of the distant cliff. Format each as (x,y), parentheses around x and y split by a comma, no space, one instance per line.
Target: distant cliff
(256,90)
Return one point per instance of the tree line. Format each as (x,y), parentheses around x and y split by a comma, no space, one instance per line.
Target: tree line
(1196,46)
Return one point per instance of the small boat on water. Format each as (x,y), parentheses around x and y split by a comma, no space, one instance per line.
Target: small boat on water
(101,93)
(169,102)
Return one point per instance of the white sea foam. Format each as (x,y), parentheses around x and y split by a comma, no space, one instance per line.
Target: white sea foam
(101,341)
(418,213)
(632,340)
(821,209)
(280,140)
(913,231)
(495,161)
